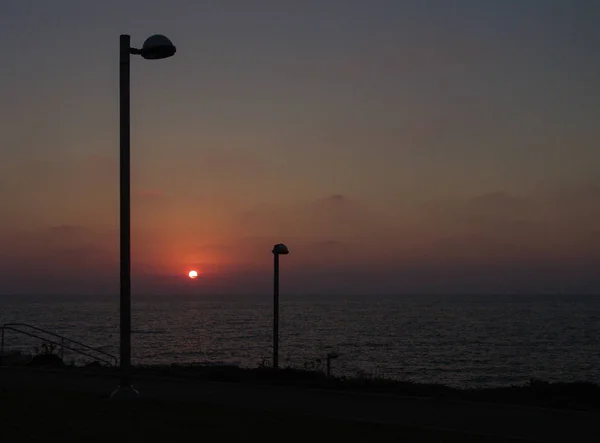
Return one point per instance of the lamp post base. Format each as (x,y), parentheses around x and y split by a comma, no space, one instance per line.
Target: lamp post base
(125,394)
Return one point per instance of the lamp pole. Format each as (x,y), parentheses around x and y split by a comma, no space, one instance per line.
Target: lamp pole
(278,249)
(125,211)
(154,48)
(276,310)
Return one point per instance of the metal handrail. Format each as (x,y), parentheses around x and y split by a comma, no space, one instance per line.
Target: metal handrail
(14,326)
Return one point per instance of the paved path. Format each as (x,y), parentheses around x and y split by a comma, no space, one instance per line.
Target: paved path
(531,424)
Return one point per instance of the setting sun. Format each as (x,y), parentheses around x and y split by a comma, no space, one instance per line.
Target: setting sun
(193,274)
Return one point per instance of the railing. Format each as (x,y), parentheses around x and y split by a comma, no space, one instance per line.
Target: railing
(64,343)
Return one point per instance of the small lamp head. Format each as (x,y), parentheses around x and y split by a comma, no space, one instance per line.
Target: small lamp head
(280,249)
(157,47)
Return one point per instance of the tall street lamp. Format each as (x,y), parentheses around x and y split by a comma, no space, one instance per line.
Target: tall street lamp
(155,47)
(278,249)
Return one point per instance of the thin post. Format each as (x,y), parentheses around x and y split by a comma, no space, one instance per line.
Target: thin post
(276,310)
(2,347)
(125,211)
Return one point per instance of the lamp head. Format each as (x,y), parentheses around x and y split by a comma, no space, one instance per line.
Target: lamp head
(157,47)
(280,249)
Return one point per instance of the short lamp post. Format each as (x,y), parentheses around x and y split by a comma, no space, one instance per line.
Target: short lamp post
(330,356)
(155,47)
(278,249)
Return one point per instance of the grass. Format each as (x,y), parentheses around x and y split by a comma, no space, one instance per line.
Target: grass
(575,395)
(50,415)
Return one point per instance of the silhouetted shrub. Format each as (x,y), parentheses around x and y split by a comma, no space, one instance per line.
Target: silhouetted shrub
(45,360)
(46,356)
(93,365)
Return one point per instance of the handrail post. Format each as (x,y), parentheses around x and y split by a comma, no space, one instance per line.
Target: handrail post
(2,347)
(62,348)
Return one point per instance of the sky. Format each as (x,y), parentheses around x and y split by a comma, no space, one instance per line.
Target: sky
(395,146)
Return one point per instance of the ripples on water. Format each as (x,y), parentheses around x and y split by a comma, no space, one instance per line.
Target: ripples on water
(461,341)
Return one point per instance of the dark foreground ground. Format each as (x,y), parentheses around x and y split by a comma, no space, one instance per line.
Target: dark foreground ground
(50,415)
(49,405)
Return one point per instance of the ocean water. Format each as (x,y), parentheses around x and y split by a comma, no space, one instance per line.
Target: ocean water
(455,340)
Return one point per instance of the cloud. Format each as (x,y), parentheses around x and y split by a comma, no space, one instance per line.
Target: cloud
(588,192)
(149,194)
(497,210)
(329,244)
(497,201)
(547,225)
(576,203)
(240,162)
(337,237)
(57,240)
(340,208)
(336,200)
(335,209)
(336,216)
(100,167)
(213,247)
(66,229)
